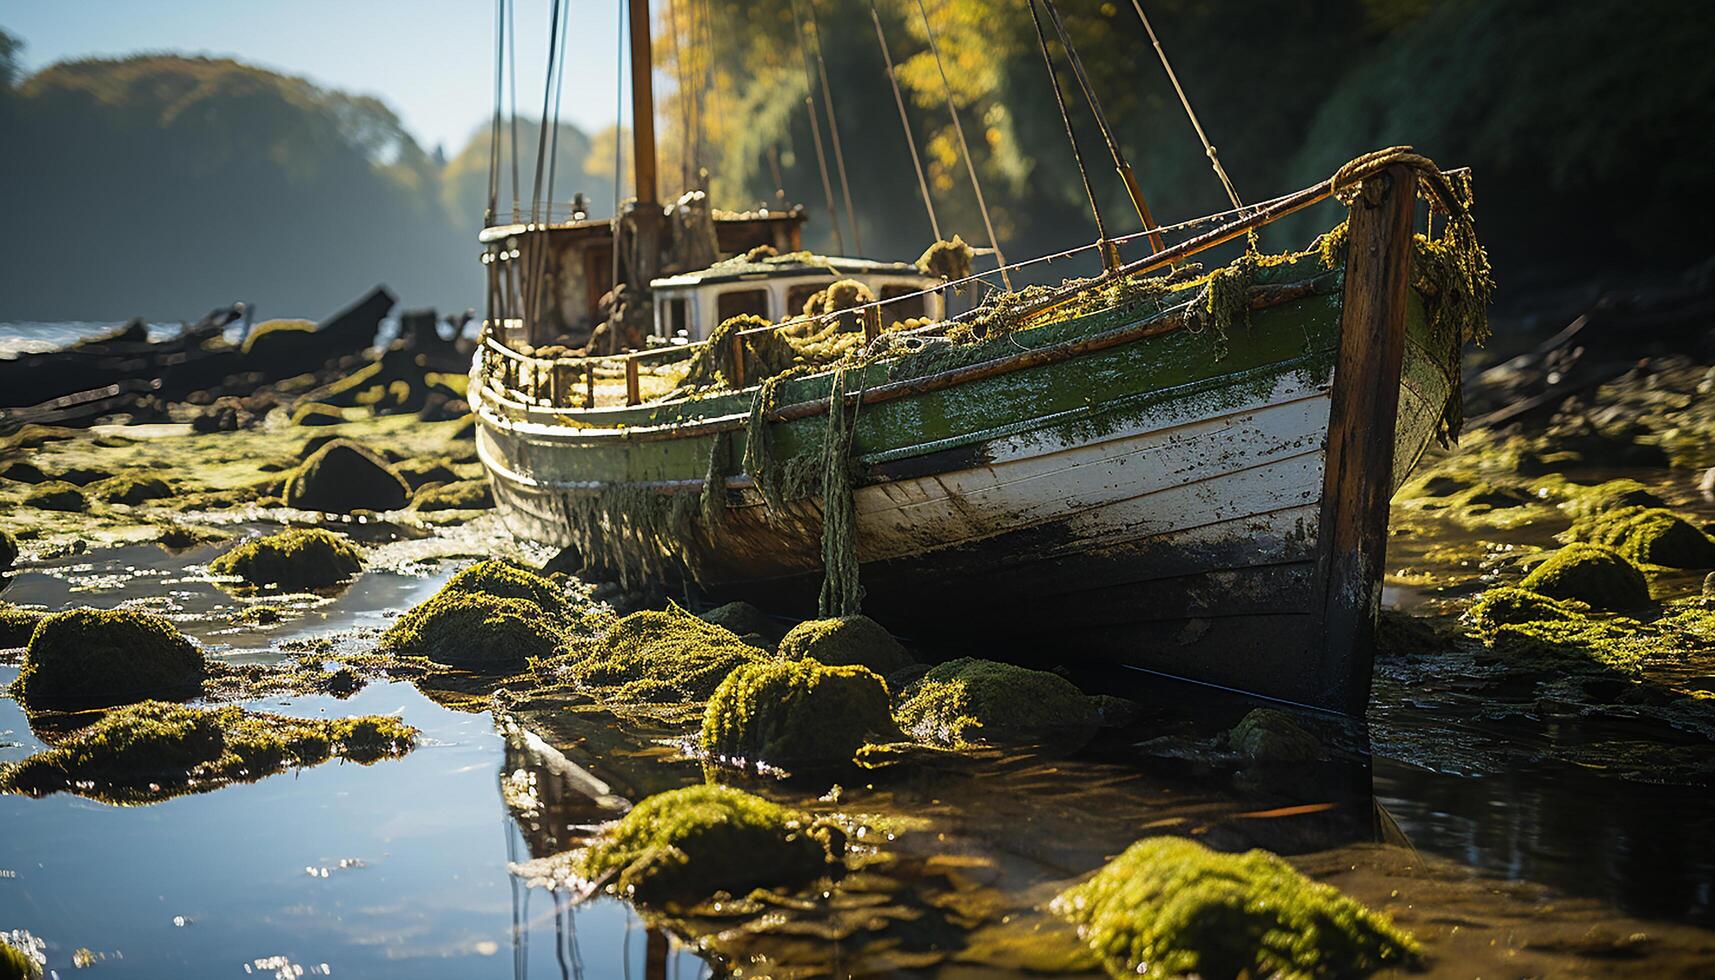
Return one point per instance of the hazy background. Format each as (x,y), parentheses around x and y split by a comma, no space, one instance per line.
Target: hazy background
(157,159)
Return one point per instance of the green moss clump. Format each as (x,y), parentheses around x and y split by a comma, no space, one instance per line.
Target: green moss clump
(796,714)
(969,700)
(343,476)
(17,625)
(315,413)
(1648,536)
(689,844)
(1510,605)
(1580,501)
(741,618)
(15,964)
(155,749)
(474,631)
(951,260)
(460,495)
(296,558)
(1590,573)
(8,551)
(497,577)
(1170,907)
(660,657)
(57,495)
(130,488)
(844,641)
(1580,642)
(1266,736)
(92,658)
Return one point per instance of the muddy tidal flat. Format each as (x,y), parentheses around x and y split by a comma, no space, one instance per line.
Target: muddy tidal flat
(287,699)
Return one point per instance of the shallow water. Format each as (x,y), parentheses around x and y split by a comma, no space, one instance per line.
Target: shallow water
(1486,833)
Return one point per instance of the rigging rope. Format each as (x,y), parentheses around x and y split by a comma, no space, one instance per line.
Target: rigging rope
(1110,256)
(816,128)
(494,130)
(834,129)
(512,48)
(1208,147)
(970,164)
(904,121)
(684,95)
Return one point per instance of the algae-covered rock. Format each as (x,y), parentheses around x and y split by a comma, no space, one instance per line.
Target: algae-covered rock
(686,845)
(1580,500)
(493,615)
(1578,643)
(796,714)
(343,476)
(154,750)
(1590,573)
(459,495)
(497,577)
(1267,736)
(91,658)
(1509,605)
(1170,907)
(844,641)
(1648,536)
(741,618)
(970,700)
(130,488)
(8,551)
(57,495)
(1400,634)
(315,413)
(15,964)
(17,625)
(660,657)
(296,558)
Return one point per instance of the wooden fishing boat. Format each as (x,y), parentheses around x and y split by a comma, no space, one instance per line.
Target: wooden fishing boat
(1112,474)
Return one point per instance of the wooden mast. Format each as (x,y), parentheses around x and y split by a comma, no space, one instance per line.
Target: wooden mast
(645,258)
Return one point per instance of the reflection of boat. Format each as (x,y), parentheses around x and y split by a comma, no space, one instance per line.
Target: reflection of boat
(1125,472)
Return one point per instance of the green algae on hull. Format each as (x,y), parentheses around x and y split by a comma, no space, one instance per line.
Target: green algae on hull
(154,750)
(1171,907)
(846,641)
(686,845)
(796,714)
(296,558)
(93,658)
(1593,574)
(969,700)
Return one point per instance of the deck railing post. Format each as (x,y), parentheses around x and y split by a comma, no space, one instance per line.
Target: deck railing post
(737,360)
(1357,483)
(589,383)
(632,388)
(871,323)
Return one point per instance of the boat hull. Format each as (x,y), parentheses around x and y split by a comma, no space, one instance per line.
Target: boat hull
(1154,504)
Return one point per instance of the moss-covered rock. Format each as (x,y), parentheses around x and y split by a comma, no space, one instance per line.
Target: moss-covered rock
(459,495)
(1400,634)
(1580,501)
(315,413)
(741,618)
(969,700)
(1509,605)
(686,845)
(474,631)
(660,657)
(344,476)
(1267,736)
(1593,574)
(1648,536)
(296,558)
(92,658)
(8,551)
(1170,907)
(153,750)
(1578,643)
(130,488)
(17,625)
(498,577)
(796,714)
(21,471)
(57,495)
(846,641)
(15,964)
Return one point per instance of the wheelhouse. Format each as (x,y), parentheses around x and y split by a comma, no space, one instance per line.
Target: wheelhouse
(690,306)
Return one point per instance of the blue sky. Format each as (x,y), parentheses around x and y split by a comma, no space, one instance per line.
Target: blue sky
(431,60)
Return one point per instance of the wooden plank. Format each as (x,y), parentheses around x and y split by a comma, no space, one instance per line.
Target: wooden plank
(632,390)
(1358,478)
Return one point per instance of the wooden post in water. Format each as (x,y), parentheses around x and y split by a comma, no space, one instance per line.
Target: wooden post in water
(1358,480)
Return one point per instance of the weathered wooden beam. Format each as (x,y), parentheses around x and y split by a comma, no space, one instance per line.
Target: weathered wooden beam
(1358,475)
(871,322)
(737,360)
(633,393)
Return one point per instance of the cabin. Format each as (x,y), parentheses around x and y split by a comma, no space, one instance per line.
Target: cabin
(691,305)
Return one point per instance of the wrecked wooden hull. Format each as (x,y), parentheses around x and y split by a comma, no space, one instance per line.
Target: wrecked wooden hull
(1154,503)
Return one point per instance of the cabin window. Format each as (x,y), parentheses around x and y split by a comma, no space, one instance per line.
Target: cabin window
(797,296)
(678,319)
(903,309)
(742,302)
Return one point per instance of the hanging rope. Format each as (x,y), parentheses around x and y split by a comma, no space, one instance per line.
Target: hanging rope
(554,138)
(512,50)
(834,130)
(970,164)
(1110,255)
(499,98)
(816,129)
(1126,175)
(904,121)
(1208,147)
